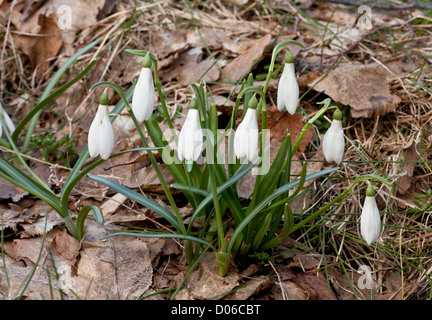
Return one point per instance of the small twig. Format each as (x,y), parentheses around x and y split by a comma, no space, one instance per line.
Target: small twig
(279,280)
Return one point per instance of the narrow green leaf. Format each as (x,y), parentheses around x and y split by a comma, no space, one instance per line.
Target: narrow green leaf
(286,229)
(236,177)
(82,215)
(257,208)
(193,189)
(18,178)
(54,79)
(47,100)
(269,182)
(137,197)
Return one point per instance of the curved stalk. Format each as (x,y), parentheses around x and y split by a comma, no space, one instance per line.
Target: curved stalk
(366,177)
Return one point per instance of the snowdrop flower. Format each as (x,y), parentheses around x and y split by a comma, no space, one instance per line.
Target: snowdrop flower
(334,141)
(288,89)
(101,134)
(144,93)
(190,143)
(8,121)
(246,137)
(370,221)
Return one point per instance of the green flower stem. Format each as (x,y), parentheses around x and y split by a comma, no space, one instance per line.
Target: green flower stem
(70,225)
(363,178)
(158,85)
(218,215)
(326,106)
(223,259)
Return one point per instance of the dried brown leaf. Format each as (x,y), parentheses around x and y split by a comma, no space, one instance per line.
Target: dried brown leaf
(189,68)
(205,283)
(240,66)
(10,191)
(407,168)
(315,285)
(365,88)
(66,246)
(44,45)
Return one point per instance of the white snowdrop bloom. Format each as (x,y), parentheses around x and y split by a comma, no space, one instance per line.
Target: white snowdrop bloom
(8,121)
(334,141)
(370,221)
(101,133)
(144,92)
(246,136)
(288,89)
(190,141)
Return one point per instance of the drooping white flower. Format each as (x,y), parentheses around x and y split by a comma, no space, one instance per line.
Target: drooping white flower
(144,92)
(288,89)
(8,121)
(101,134)
(190,141)
(370,221)
(246,136)
(334,141)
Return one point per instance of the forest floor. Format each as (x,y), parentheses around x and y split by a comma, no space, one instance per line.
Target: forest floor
(375,66)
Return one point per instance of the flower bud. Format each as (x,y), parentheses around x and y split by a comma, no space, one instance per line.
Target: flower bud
(288,89)
(8,121)
(190,141)
(246,137)
(334,141)
(144,92)
(370,221)
(101,134)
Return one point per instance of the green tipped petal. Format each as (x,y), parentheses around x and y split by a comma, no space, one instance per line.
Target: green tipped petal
(289,58)
(146,63)
(337,115)
(193,103)
(253,102)
(104,98)
(370,191)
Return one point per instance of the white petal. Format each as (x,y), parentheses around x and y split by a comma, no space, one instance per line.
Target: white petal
(143,96)
(334,142)
(370,221)
(246,136)
(101,134)
(190,141)
(9,123)
(107,140)
(93,141)
(288,89)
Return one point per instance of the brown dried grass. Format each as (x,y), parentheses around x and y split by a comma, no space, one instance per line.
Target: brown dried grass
(404,243)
